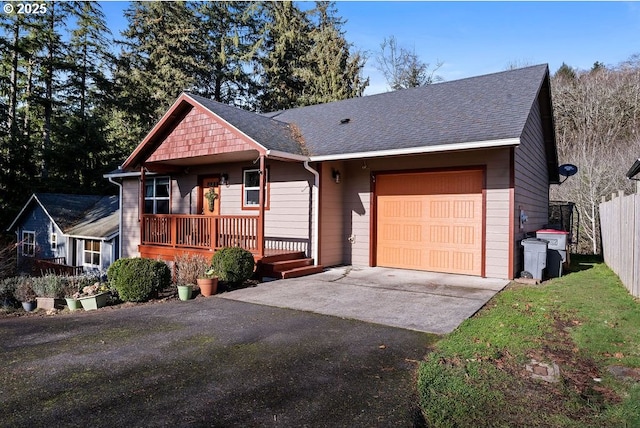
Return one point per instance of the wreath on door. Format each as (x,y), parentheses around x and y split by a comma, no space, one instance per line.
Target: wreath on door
(211,196)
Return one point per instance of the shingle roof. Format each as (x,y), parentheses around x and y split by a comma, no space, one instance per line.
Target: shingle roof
(483,108)
(271,134)
(100,221)
(79,215)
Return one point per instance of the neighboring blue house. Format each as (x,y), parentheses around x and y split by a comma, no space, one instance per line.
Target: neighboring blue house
(73,230)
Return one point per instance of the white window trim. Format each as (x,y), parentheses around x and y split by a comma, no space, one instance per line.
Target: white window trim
(155,198)
(246,188)
(54,241)
(85,251)
(23,245)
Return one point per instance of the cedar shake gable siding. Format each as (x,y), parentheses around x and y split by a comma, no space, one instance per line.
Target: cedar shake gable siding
(195,127)
(198,135)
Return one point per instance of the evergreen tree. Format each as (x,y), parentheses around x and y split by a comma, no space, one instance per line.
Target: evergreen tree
(333,72)
(229,37)
(286,41)
(158,61)
(81,156)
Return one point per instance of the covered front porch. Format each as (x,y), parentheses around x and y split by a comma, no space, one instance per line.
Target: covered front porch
(197,184)
(165,236)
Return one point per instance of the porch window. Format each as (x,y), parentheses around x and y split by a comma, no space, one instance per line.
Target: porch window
(251,188)
(157,192)
(54,241)
(28,243)
(91,253)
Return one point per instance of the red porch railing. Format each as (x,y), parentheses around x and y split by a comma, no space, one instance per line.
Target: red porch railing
(200,231)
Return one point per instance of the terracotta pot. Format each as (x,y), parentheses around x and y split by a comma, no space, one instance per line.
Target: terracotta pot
(208,286)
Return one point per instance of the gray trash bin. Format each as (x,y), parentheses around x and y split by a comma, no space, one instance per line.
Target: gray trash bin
(556,251)
(535,257)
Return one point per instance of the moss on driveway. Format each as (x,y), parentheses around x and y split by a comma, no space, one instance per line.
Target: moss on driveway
(207,362)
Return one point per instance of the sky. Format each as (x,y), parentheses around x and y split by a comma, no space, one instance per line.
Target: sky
(475,38)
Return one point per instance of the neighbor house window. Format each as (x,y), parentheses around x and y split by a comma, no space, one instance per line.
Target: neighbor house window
(91,254)
(157,191)
(54,241)
(28,243)
(251,188)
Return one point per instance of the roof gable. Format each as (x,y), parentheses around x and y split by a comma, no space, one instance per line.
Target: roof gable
(192,136)
(196,126)
(69,211)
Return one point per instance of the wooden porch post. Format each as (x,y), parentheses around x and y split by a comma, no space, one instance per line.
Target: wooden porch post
(262,195)
(141,203)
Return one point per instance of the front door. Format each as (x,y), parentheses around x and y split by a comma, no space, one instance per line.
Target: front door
(210,195)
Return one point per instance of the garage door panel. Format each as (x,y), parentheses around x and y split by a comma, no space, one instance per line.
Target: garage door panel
(439,232)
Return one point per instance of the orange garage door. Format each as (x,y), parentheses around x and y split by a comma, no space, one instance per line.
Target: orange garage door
(430,221)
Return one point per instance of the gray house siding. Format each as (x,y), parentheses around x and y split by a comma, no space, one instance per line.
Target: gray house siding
(531,183)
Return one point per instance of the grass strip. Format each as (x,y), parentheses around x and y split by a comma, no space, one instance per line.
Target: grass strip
(585,323)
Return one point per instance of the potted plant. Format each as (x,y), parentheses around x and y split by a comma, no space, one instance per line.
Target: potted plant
(25,294)
(93,296)
(49,290)
(211,197)
(208,283)
(187,269)
(72,288)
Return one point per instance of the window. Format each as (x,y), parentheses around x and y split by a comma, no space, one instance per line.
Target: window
(54,241)
(91,254)
(157,191)
(28,243)
(251,188)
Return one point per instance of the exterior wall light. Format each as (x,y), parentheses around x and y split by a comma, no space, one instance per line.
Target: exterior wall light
(336,175)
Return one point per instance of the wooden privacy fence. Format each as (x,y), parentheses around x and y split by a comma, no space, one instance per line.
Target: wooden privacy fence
(620,229)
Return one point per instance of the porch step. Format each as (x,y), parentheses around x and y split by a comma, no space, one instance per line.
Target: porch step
(290,264)
(301,271)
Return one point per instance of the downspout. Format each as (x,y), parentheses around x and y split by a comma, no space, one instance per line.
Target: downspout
(316,212)
(119,215)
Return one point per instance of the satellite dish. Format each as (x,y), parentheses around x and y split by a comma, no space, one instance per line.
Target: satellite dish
(567,170)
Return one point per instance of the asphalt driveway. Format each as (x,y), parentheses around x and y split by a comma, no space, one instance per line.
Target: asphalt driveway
(415,300)
(207,362)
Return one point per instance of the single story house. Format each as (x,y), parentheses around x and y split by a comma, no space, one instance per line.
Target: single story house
(71,230)
(447,177)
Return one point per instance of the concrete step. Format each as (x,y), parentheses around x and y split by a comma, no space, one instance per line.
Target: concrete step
(301,271)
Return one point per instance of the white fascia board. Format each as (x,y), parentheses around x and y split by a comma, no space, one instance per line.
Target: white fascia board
(13,223)
(507,142)
(125,174)
(94,238)
(277,154)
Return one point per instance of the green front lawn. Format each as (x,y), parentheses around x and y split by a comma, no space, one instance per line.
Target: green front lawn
(585,322)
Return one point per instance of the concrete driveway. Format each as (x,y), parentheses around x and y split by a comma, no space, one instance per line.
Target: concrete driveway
(414,300)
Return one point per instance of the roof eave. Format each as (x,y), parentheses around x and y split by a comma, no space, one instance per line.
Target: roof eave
(13,223)
(277,154)
(488,144)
